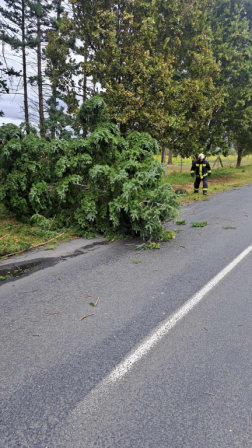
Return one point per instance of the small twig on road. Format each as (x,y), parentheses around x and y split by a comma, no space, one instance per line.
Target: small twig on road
(19,328)
(27,292)
(56,312)
(205,328)
(96,303)
(18,267)
(84,317)
(208,393)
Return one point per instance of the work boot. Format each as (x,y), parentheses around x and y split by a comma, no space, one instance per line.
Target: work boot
(204,193)
(196,191)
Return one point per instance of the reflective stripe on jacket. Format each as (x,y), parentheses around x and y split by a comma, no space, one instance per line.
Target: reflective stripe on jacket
(201,169)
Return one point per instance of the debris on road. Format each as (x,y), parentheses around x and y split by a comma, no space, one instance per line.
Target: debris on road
(56,312)
(199,224)
(13,331)
(84,317)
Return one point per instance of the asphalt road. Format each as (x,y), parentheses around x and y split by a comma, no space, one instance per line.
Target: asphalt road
(193,389)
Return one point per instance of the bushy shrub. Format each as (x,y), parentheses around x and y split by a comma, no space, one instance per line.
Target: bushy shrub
(103,183)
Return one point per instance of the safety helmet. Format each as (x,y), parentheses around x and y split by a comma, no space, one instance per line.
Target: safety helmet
(201,156)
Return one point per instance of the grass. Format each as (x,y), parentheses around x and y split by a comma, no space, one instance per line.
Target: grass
(17,236)
(222,179)
(231,160)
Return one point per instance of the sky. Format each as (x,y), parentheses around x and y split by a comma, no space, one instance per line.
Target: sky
(12,104)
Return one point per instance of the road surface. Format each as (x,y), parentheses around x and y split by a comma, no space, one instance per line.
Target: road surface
(71,383)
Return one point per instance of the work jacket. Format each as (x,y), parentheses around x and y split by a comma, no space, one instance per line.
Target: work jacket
(201,168)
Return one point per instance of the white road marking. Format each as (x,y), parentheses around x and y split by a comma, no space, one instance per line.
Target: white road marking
(120,371)
(91,402)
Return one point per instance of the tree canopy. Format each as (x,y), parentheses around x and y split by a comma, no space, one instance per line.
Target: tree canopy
(179,69)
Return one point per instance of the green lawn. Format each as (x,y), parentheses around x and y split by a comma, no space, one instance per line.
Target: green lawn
(222,179)
(16,236)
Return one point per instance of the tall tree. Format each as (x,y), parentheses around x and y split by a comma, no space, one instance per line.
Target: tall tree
(155,63)
(62,70)
(231,22)
(14,31)
(40,11)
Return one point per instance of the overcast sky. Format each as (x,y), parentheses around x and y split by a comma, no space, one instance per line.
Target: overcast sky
(9,104)
(12,104)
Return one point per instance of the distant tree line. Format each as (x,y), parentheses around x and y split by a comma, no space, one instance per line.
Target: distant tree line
(179,69)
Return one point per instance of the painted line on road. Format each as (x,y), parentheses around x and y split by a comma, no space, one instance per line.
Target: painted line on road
(126,365)
(91,402)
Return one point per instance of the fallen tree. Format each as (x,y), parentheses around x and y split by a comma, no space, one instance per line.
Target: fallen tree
(102,183)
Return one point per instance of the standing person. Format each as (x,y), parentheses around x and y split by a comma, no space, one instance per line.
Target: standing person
(202,169)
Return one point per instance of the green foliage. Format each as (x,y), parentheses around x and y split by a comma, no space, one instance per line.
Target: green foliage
(231,23)
(167,235)
(199,224)
(181,223)
(8,132)
(92,112)
(103,183)
(155,63)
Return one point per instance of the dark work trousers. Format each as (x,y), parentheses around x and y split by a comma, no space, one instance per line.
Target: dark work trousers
(197,183)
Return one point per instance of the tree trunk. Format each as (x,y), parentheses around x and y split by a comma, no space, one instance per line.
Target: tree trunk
(170,157)
(59,9)
(54,95)
(163,154)
(218,161)
(26,111)
(85,79)
(40,86)
(239,157)
(123,129)
(54,86)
